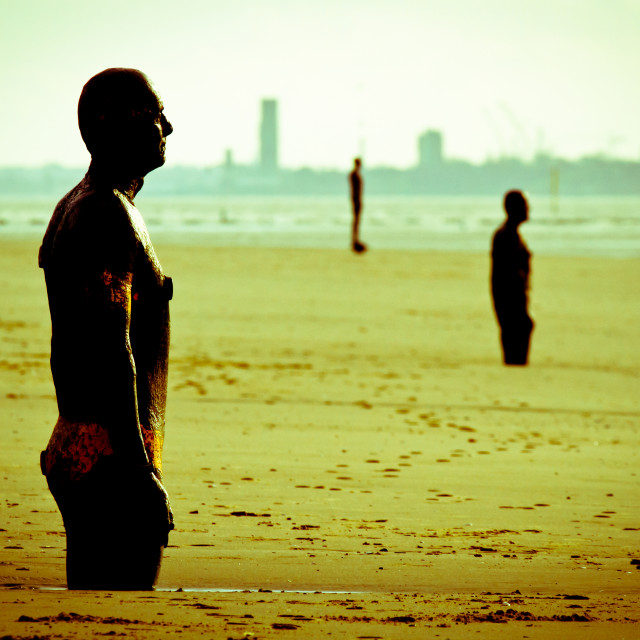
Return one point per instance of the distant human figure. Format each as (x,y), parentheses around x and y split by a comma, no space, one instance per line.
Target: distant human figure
(109,305)
(356,184)
(510,281)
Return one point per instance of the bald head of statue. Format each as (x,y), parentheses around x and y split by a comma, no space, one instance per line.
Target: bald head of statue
(516,207)
(122,122)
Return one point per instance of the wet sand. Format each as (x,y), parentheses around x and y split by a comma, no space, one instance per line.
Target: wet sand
(346,454)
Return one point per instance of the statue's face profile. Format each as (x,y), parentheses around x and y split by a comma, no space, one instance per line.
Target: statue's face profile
(148,131)
(122,121)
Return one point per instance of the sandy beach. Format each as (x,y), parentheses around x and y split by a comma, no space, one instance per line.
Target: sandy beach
(347,456)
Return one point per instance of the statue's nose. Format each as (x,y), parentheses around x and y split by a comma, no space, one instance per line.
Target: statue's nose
(167,127)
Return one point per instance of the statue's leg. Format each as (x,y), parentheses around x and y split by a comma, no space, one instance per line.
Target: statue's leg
(516,338)
(111,543)
(111,559)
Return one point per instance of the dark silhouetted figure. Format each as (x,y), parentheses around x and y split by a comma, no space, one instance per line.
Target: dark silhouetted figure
(356,184)
(510,281)
(109,305)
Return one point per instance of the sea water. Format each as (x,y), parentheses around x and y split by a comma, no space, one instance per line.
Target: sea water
(584,226)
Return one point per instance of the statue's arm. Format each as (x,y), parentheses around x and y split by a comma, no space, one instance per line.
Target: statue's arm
(114,297)
(123,422)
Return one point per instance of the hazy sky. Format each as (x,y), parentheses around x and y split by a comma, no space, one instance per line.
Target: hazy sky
(351,76)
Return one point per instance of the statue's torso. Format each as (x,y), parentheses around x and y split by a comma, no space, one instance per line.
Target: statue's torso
(99,266)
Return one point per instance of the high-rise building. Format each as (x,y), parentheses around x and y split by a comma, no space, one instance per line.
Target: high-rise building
(430,149)
(269,136)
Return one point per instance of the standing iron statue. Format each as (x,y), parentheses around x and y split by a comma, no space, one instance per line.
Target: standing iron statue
(109,305)
(510,259)
(356,187)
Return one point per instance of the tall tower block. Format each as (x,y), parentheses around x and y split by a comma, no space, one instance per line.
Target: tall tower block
(269,136)
(430,149)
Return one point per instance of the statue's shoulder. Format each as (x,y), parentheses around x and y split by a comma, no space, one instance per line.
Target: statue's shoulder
(95,205)
(87,218)
(498,234)
(503,241)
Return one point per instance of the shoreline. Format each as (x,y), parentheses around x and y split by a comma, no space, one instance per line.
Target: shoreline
(577,227)
(423,241)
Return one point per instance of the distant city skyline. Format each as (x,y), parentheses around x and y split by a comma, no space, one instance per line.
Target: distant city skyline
(351,77)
